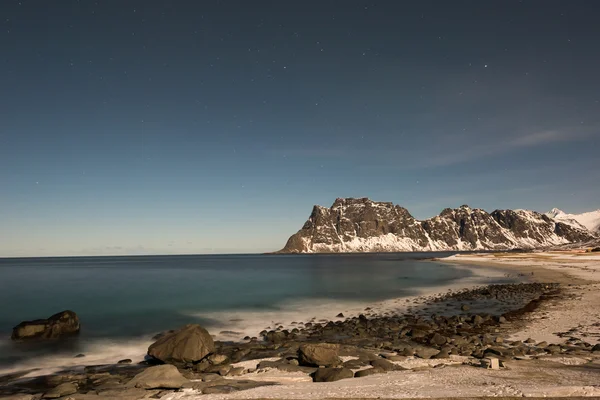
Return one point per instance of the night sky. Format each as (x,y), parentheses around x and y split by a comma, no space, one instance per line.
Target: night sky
(142,127)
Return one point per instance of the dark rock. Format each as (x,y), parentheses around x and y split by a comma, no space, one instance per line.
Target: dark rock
(437,339)
(340,315)
(283,366)
(187,345)
(158,377)
(553,349)
(494,351)
(417,333)
(385,365)
(224,370)
(125,361)
(368,372)
(442,355)
(487,339)
(332,374)
(216,359)
(79,356)
(63,324)
(322,354)
(354,364)
(275,337)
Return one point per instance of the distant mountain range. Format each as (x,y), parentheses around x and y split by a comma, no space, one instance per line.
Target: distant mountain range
(589,220)
(363,225)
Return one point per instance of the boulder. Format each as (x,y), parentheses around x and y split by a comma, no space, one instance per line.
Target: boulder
(158,377)
(332,374)
(64,389)
(63,324)
(187,345)
(316,355)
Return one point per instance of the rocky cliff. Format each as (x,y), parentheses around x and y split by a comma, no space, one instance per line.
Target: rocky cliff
(363,225)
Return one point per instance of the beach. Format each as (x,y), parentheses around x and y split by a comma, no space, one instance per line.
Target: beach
(545,342)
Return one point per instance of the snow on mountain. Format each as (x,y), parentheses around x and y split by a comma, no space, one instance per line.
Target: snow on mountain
(589,220)
(363,225)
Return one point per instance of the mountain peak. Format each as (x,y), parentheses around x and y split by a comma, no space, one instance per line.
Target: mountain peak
(555,212)
(588,220)
(363,225)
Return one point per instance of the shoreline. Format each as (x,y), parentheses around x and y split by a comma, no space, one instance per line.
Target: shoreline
(235,325)
(530,313)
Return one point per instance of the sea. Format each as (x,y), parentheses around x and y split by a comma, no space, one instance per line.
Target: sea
(122,302)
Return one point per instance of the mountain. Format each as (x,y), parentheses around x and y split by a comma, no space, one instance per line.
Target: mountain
(363,225)
(589,220)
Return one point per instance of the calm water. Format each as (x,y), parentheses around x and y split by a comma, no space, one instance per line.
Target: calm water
(122,298)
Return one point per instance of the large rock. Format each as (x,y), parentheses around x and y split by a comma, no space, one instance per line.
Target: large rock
(317,355)
(158,377)
(332,374)
(187,345)
(65,323)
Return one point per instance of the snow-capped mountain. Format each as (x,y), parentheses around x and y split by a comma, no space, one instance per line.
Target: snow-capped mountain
(363,225)
(589,220)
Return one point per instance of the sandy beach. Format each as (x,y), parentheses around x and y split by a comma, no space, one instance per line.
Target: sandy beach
(577,312)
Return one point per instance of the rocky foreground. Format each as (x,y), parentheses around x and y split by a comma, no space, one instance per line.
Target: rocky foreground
(443,328)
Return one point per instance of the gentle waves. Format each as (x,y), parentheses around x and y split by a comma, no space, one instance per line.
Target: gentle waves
(123,301)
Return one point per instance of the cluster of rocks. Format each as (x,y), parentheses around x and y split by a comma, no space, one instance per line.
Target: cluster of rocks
(351,348)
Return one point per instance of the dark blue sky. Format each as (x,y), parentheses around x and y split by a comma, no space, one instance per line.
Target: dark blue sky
(214,126)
